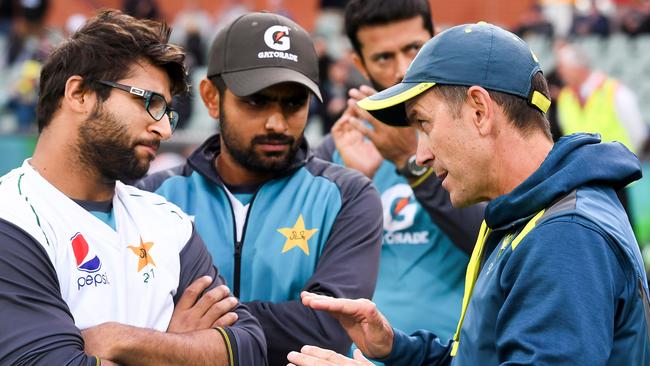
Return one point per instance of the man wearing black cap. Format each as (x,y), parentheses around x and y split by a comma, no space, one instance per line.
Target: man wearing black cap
(277,220)
(556,276)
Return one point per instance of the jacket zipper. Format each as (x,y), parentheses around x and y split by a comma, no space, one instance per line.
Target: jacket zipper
(239,244)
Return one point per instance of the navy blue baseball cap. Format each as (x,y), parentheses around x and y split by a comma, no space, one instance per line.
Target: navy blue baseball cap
(470,54)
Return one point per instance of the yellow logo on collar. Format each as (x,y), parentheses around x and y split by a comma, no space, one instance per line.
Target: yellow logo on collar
(142,252)
(297,236)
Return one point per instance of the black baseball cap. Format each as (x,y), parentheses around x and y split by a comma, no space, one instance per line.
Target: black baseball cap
(258,50)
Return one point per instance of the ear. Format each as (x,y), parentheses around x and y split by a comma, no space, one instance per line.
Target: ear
(482,109)
(358,63)
(210,96)
(77,98)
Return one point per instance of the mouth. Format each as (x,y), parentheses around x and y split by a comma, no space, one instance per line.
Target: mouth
(273,146)
(442,176)
(150,149)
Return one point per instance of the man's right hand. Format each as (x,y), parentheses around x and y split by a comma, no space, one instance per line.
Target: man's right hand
(356,150)
(213,309)
(360,318)
(396,144)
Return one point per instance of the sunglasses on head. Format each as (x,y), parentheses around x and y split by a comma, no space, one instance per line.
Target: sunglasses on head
(154,103)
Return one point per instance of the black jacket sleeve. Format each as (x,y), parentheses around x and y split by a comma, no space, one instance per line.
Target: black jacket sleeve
(325,150)
(347,268)
(36,327)
(245,338)
(460,224)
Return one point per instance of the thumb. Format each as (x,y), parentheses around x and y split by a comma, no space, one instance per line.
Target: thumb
(358,355)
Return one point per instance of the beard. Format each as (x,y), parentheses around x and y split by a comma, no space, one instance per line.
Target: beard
(249,158)
(375,84)
(105,146)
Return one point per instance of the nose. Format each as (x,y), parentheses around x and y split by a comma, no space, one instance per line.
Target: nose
(277,121)
(162,128)
(403,63)
(423,155)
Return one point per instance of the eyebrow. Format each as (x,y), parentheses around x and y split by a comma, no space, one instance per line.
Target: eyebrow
(411,116)
(412,44)
(375,56)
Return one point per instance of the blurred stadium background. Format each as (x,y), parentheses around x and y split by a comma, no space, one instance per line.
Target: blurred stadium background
(613,34)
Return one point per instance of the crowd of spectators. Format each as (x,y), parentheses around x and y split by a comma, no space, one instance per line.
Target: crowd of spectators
(27,40)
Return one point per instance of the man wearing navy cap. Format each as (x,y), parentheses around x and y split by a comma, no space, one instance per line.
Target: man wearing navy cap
(277,219)
(556,276)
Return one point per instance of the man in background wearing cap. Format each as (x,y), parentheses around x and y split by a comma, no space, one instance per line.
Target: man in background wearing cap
(556,276)
(276,219)
(427,242)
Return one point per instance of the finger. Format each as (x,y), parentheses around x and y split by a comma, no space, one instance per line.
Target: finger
(355,95)
(193,291)
(360,126)
(367,90)
(349,110)
(335,305)
(362,114)
(340,124)
(311,295)
(210,298)
(358,356)
(362,92)
(324,354)
(220,308)
(227,320)
(299,359)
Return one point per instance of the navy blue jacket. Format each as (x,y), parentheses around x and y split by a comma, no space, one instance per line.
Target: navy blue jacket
(573,290)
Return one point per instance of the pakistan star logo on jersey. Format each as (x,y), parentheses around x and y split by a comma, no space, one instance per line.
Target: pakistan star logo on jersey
(297,236)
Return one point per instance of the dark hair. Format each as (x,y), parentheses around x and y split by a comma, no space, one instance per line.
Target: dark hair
(523,115)
(104,49)
(361,13)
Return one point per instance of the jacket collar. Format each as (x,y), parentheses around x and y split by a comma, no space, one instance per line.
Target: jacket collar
(202,159)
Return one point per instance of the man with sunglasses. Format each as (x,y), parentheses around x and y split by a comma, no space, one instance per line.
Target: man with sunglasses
(276,219)
(92,270)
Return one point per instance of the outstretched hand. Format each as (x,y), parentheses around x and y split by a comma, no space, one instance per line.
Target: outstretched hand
(314,356)
(360,318)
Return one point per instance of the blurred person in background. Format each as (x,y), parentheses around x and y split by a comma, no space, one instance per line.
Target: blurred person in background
(636,20)
(426,242)
(277,220)
(593,22)
(560,14)
(532,22)
(335,91)
(592,101)
(24,96)
(29,44)
(142,9)
(192,28)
